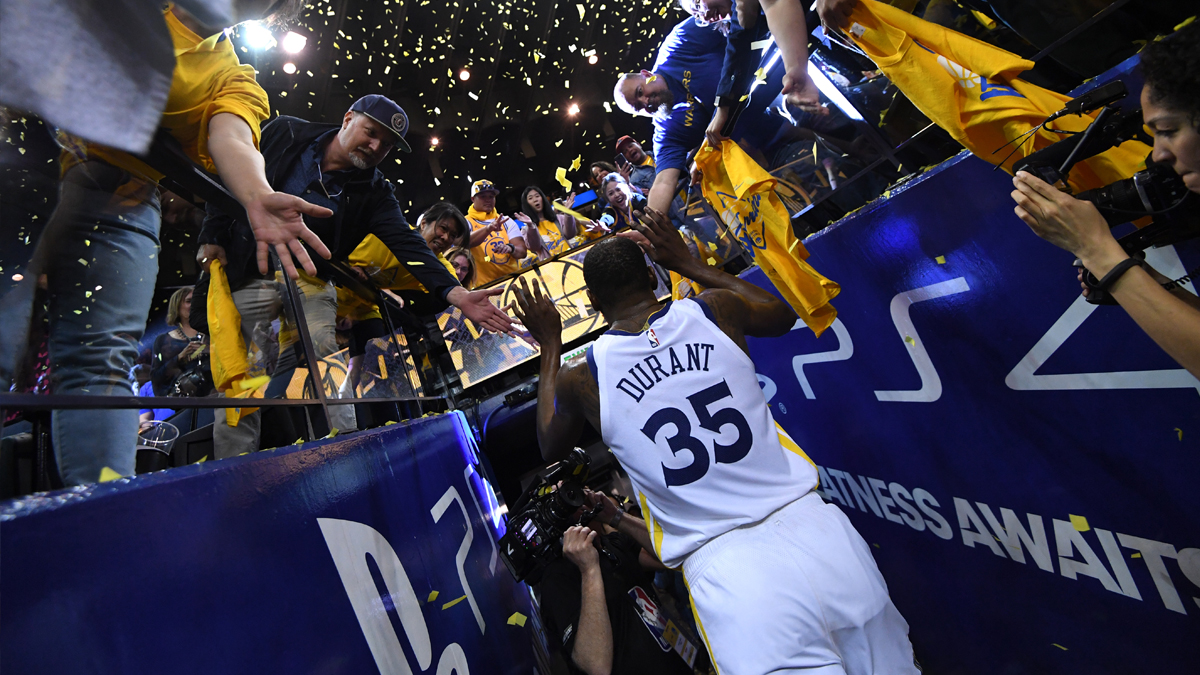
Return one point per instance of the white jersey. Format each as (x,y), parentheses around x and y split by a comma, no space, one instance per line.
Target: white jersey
(681,408)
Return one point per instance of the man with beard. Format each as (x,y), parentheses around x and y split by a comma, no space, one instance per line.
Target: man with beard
(334,167)
(679,92)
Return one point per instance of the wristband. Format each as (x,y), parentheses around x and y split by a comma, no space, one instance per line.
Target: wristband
(616,520)
(1115,273)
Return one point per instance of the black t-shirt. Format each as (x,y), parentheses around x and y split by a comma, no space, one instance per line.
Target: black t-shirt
(626,588)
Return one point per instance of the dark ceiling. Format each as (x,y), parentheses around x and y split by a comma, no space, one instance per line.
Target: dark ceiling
(509,122)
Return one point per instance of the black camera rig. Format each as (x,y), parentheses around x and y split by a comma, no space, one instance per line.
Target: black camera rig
(1157,191)
(542,514)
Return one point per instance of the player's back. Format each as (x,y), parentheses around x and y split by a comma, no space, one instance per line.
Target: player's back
(681,408)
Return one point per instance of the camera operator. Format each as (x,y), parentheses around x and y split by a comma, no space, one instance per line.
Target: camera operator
(1171,109)
(601,607)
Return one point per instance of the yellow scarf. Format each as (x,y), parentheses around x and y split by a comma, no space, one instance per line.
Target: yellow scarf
(227,349)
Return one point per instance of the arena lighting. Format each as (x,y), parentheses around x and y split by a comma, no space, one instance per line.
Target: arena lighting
(18,276)
(289,68)
(464,74)
(832,93)
(573,110)
(593,59)
(433,142)
(293,42)
(257,36)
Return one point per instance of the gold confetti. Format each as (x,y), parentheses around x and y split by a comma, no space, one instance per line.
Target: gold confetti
(1059,646)
(1179,432)
(941,259)
(454,602)
(1080,523)
(517,619)
(432,596)
(107,474)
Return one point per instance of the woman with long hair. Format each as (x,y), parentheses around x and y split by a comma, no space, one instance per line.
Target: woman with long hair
(622,202)
(179,349)
(464,265)
(546,233)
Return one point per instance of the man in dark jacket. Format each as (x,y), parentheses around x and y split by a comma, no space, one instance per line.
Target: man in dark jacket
(333,167)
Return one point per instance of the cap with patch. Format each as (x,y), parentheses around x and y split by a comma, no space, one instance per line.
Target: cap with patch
(483,186)
(386,112)
(623,140)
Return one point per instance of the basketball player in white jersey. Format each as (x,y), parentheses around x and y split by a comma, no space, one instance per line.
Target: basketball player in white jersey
(780,581)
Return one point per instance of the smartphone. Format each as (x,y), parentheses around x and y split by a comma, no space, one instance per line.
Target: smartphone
(621,161)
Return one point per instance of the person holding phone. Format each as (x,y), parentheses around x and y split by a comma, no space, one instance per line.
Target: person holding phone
(635,164)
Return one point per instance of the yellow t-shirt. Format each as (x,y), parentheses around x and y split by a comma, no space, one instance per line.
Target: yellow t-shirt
(492,259)
(552,239)
(208,80)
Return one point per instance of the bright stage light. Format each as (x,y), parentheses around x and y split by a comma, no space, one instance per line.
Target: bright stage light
(257,36)
(593,59)
(289,68)
(573,110)
(433,142)
(464,74)
(293,42)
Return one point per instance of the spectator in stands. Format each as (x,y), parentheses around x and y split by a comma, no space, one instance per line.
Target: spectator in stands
(622,202)
(496,242)
(546,233)
(148,415)
(464,264)
(677,93)
(599,170)
(335,166)
(99,250)
(639,171)
(178,349)
(1171,109)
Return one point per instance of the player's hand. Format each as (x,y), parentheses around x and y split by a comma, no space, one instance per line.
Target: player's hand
(578,547)
(835,14)
(277,219)
(1068,223)
(535,310)
(476,306)
(662,242)
(209,253)
(713,132)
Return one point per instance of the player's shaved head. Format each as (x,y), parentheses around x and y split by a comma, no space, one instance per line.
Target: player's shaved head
(614,271)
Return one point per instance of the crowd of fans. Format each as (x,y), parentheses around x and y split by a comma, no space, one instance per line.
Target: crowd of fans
(310,187)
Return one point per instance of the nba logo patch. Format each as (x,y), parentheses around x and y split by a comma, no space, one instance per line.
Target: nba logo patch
(654,342)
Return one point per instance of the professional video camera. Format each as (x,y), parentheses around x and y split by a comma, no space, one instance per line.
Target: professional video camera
(543,513)
(1156,191)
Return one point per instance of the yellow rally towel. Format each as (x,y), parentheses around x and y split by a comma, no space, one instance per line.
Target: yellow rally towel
(227,349)
(743,194)
(972,90)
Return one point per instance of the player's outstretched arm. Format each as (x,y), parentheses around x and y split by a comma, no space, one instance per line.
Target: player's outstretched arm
(739,305)
(560,415)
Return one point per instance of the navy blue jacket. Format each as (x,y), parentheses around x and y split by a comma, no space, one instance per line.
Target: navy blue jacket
(367,206)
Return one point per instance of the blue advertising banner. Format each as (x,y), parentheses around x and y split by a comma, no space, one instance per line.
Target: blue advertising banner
(373,553)
(1022,463)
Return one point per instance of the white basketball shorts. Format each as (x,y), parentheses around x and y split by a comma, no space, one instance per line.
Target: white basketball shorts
(797,591)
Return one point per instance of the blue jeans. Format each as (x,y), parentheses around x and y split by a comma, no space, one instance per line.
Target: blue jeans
(99,253)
